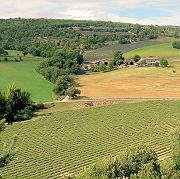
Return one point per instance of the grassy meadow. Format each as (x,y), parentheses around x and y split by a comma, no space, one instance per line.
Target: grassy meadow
(134,82)
(23,76)
(164,50)
(65,142)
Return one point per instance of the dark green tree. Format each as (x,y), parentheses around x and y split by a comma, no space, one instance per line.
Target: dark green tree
(164,63)
(136,58)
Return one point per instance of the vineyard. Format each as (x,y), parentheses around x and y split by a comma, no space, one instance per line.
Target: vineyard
(107,51)
(65,142)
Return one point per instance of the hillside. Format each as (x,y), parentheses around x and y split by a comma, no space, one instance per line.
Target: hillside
(65,142)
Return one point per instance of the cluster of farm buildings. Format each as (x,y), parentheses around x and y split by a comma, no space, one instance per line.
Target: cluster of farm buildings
(149,61)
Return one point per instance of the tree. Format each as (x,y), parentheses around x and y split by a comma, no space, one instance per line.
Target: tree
(102,67)
(63,83)
(118,58)
(12,102)
(164,63)
(136,58)
(110,65)
(142,62)
(25,52)
(72,92)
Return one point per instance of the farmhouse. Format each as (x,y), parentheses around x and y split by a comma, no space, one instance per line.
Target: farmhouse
(130,61)
(151,61)
(98,62)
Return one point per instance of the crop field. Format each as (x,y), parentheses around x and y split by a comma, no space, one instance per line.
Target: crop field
(15,53)
(103,33)
(21,73)
(161,50)
(65,142)
(135,82)
(108,51)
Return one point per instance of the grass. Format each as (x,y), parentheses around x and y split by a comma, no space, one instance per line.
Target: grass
(161,50)
(108,51)
(15,53)
(21,73)
(66,142)
(137,82)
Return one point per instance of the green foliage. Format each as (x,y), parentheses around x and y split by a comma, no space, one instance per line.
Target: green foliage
(136,58)
(156,64)
(176,44)
(2,125)
(102,67)
(94,68)
(164,63)
(61,64)
(110,66)
(118,58)
(140,161)
(123,41)
(12,102)
(175,145)
(62,84)
(8,152)
(142,62)
(72,92)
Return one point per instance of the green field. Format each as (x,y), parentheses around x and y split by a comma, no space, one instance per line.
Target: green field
(21,73)
(15,53)
(66,142)
(161,50)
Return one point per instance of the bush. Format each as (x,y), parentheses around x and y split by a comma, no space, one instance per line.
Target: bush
(72,92)
(164,63)
(102,67)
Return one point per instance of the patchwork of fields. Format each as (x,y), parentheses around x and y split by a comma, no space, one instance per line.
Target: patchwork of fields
(66,142)
(108,51)
(21,73)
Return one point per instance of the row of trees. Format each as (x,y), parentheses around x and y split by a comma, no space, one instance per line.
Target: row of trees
(59,70)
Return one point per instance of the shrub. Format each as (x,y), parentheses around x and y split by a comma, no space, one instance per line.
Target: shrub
(164,63)
(102,67)
(72,92)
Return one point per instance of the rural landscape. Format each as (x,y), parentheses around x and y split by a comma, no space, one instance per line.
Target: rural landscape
(89,99)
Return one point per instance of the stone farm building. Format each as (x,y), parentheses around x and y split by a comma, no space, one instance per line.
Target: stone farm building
(130,62)
(151,61)
(98,62)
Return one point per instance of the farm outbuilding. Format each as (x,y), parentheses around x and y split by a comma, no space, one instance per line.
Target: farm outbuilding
(151,61)
(130,61)
(98,62)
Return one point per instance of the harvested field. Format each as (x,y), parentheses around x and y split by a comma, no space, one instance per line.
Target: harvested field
(138,82)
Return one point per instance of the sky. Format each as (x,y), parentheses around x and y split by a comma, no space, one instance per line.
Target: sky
(156,12)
